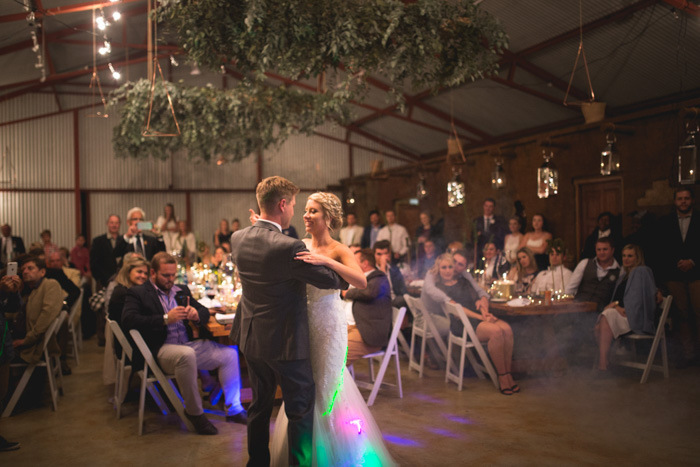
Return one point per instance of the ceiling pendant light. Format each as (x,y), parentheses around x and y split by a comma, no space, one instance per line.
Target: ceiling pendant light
(688,155)
(421,190)
(350,198)
(547,177)
(498,176)
(455,189)
(609,156)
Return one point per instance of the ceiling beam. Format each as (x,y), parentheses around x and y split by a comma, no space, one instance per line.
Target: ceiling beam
(512,84)
(686,6)
(62,10)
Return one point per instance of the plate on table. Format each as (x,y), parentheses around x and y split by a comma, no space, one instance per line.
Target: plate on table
(516,302)
(499,300)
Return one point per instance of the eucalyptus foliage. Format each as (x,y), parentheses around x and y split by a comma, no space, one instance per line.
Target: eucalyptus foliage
(413,45)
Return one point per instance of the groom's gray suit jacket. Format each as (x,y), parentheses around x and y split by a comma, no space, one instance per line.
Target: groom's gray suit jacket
(274,323)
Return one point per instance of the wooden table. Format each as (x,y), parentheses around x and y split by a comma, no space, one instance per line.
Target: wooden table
(218,330)
(538,347)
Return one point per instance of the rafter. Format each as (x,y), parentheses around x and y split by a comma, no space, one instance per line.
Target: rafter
(62,10)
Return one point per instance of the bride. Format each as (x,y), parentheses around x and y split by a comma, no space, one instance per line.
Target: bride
(345,434)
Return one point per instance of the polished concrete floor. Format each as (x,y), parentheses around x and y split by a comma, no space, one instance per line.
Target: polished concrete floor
(566,419)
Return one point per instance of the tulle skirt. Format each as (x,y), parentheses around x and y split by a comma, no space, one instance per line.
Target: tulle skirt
(345,433)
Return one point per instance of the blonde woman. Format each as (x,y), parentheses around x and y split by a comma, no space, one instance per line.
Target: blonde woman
(524,271)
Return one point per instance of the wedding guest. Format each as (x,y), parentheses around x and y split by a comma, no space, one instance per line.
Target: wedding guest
(511,244)
(382,259)
(218,258)
(524,271)
(205,256)
(427,230)
(604,228)
(371,232)
(397,235)
(223,233)
(536,241)
(351,233)
(106,251)
(489,227)
(9,300)
(10,246)
(633,305)
(184,243)
(556,276)
(593,280)
(497,333)
(46,243)
(80,256)
(145,243)
(427,259)
(235,226)
(166,224)
(493,263)
(289,232)
(134,272)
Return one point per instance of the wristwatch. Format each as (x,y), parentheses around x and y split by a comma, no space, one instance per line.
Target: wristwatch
(165,319)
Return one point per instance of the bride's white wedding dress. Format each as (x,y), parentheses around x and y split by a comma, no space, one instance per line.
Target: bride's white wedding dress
(345,433)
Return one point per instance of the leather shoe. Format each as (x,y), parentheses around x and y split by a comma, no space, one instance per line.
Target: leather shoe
(65,369)
(6,445)
(241,417)
(202,425)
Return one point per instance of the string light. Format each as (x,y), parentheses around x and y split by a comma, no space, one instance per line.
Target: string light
(173,62)
(106,48)
(101,22)
(115,74)
(116,16)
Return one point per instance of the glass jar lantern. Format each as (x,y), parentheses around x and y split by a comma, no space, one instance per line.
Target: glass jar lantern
(609,157)
(547,177)
(688,156)
(498,176)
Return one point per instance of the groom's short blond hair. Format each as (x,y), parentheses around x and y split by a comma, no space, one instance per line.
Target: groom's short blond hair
(271,190)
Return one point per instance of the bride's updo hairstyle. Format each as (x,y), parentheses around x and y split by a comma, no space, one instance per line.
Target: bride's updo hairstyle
(332,208)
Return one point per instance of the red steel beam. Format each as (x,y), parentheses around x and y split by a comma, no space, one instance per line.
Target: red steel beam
(686,6)
(62,10)
(527,90)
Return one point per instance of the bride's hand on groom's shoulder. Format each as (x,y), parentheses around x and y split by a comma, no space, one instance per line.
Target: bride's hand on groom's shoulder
(312,258)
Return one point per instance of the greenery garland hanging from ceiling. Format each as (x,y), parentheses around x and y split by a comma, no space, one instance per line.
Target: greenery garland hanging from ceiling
(410,46)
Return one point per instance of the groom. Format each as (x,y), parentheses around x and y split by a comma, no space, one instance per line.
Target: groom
(274,329)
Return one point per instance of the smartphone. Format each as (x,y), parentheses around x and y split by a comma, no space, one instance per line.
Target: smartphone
(182,299)
(12,268)
(145,225)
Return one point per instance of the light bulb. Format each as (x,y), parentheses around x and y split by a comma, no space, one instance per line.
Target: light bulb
(116,16)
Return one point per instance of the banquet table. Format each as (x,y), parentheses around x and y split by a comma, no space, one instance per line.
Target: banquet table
(542,333)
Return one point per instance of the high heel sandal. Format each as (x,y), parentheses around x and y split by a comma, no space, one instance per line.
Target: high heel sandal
(505,391)
(514,388)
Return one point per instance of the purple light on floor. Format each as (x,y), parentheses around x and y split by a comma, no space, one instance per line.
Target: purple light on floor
(427,398)
(462,420)
(445,433)
(399,441)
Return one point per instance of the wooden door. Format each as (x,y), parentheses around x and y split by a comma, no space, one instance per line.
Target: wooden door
(594,196)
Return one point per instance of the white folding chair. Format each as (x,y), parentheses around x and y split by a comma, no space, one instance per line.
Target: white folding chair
(467,343)
(165,381)
(52,365)
(391,351)
(658,339)
(74,329)
(423,327)
(122,367)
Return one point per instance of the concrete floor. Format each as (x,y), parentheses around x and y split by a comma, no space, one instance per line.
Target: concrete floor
(567,419)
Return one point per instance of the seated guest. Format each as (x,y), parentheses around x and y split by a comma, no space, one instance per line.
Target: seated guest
(556,276)
(493,263)
(382,258)
(495,332)
(205,256)
(10,303)
(145,243)
(536,241)
(43,301)
(352,233)
(511,244)
(80,256)
(69,280)
(184,243)
(171,322)
(593,280)
(134,272)
(633,306)
(369,324)
(223,233)
(235,226)
(524,271)
(218,258)
(46,242)
(427,259)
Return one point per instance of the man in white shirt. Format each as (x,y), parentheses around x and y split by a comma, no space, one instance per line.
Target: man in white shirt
(397,236)
(10,247)
(145,242)
(594,279)
(351,234)
(556,277)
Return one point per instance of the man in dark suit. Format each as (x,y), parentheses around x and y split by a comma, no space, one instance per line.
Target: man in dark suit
(143,242)
(678,268)
(371,310)
(174,326)
(369,236)
(107,251)
(274,329)
(10,247)
(382,259)
(489,227)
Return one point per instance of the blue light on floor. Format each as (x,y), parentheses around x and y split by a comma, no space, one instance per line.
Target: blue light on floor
(445,433)
(427,398)
(458,419)
(399,441)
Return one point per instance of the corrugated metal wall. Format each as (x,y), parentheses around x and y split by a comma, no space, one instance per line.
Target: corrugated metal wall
(209,208)
(29,213)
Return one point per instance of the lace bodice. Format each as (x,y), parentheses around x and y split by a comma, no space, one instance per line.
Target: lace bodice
(328,335)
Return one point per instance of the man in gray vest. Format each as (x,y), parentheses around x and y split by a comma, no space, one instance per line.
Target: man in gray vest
(594,279)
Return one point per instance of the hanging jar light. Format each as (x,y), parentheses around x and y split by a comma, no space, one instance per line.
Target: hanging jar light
(688,155)
(547,177)
(421,190)
(455,189)
(350,199)
(498,176)
(609,156)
